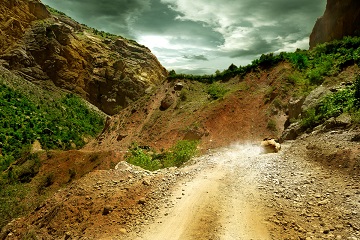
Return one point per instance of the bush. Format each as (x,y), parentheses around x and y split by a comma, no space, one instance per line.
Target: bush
(271,125)
(177,155)
(331,105)
(216,91)
(310,119)
(182,152)
(45,182)
(184,95)
(299,60)
(139,158)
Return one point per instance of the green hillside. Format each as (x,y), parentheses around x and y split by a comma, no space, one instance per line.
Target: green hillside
(56,120)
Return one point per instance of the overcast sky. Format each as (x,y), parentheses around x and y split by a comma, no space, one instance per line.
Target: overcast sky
(201,36)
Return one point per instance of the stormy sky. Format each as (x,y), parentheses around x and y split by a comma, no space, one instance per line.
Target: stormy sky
(202,36)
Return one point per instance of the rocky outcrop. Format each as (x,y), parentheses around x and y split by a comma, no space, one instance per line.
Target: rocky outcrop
(109,72)
(15,17)
(341,18)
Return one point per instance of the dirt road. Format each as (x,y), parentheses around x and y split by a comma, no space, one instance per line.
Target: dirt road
(239,193)
(221,202)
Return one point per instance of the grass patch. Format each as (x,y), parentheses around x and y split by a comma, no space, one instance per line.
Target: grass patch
(14,202)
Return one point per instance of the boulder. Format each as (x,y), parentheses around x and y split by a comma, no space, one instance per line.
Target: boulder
(167,102)
(314,98)
(178,86)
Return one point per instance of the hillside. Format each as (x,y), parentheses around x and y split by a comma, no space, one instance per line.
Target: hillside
(241,103)
(49,48)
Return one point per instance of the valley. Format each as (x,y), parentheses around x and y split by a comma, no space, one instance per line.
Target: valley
(99,141)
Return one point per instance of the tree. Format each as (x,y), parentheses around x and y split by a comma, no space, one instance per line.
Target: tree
(232,68)
(172,73)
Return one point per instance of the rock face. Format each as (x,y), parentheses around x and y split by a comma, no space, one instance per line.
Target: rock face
(341,18)
(110,71)
(15,17)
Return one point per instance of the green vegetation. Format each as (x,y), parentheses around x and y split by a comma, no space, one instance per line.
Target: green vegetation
(176,156)
(310,69)
(271,125)
(103,33)
(324,60)
(140,158)
(216,91)
(14,201)
(29,114)
(55,123)
(333,105)
(15,193)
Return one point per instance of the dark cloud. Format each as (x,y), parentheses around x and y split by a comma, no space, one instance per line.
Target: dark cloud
(188,34)
(114,16)
(196,57)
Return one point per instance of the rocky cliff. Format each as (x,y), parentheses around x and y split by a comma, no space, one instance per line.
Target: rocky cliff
(341,18)
(46,48)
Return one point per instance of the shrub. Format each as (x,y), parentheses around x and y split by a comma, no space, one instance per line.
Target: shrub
(216,91)
(310,119)
(355,116)
(139,158)
(45,182)
(299,60)
(271,125)
(26,171)
(331,105)
(183,151)
(184,95)
(315,76)
(335,104)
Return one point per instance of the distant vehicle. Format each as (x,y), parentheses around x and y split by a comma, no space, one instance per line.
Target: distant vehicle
(270,145)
